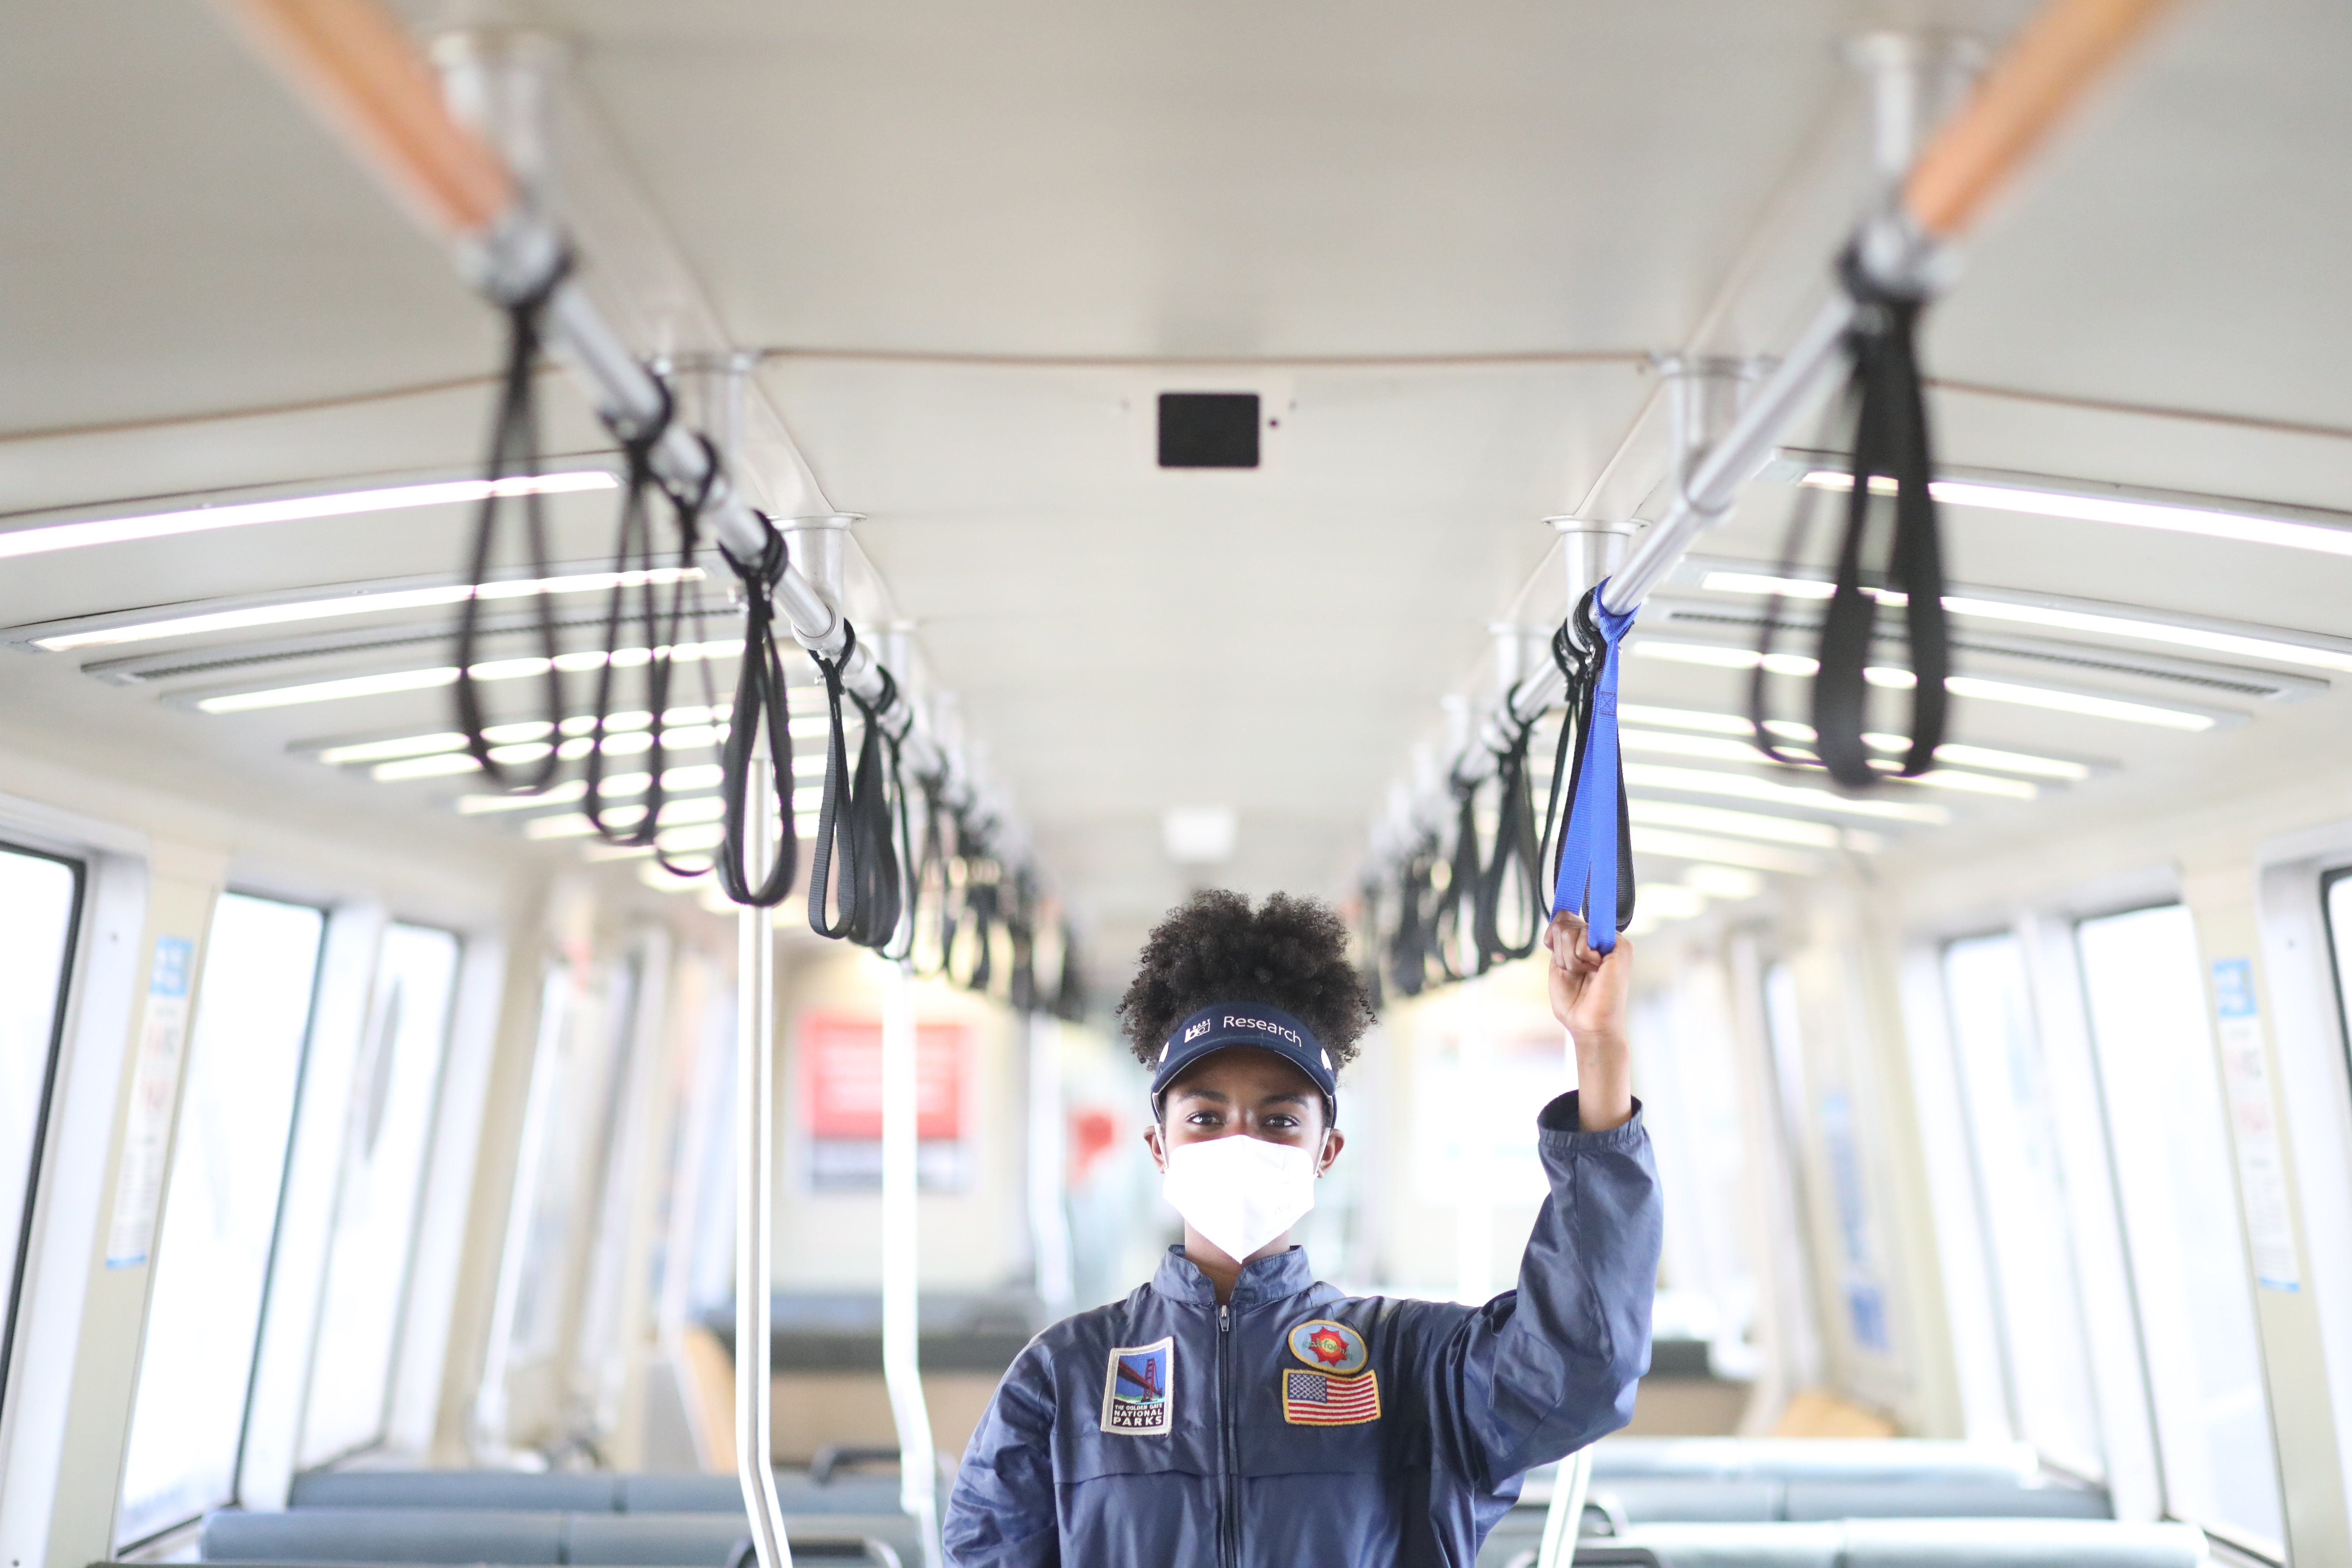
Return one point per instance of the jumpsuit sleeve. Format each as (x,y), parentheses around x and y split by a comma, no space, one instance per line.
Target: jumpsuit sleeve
(1001,1514)
(1542,1371)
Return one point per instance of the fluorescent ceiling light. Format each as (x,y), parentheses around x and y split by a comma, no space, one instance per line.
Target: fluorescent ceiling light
(2009,692)
(1724,749)
(1789,728)
(688,780)
(358,603)
(1669,901)
(1723,881)
(331,690)
(292,508)
(1748,824)
(1743,787)
(441,764)
(2074,703)
(2092,622)
(1710,723)
(2214,521)
(1720,657)
(426,679)
(398,746)
(473,804)
(574,824)
(1987,757)
(1674,845)
(1717,748)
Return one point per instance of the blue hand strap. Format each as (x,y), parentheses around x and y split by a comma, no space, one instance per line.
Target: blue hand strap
(1589,871)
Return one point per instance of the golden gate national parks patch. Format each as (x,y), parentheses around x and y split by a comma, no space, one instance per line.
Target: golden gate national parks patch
(1139,1391)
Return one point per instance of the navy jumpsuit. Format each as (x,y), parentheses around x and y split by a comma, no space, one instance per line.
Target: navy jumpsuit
(1298,1428)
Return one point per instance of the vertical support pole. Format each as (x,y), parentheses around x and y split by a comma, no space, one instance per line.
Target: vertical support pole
(1564,1520)
(1049,1227)
(1473,1165)
(755,1152)
(902,1373)
(1590,552)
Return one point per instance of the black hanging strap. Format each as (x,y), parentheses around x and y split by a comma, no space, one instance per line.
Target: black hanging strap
(1516,866)
(1890,439)
(1070,989)
(934,882)
(633,571)
(514,454)
(833,879)
(881,893)
(760,704)
(1461,878)
(1409,948)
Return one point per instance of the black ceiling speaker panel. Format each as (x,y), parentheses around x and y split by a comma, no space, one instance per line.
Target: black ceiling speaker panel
(1208,429)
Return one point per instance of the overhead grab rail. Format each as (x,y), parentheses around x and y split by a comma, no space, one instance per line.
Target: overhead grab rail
(1898,259)
(355,64)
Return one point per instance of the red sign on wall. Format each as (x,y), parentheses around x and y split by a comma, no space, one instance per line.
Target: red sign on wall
(841,1077)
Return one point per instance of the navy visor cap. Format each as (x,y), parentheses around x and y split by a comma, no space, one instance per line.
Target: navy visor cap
(1246,1024)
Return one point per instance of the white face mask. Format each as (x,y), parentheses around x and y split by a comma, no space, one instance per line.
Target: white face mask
(1240,1192)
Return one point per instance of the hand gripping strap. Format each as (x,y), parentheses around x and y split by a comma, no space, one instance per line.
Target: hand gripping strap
(1596,844)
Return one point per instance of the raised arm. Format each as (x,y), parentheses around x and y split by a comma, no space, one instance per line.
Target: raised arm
(1541,1372)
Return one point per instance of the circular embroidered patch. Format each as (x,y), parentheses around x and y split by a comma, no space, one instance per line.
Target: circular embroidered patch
(1329,1347)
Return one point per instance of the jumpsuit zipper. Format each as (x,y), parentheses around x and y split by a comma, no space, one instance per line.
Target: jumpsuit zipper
(1229,1521)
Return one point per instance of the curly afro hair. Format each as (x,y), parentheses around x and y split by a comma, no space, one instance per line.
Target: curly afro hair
(1290,954)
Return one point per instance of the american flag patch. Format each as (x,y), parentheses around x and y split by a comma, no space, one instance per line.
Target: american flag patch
(1319,1399)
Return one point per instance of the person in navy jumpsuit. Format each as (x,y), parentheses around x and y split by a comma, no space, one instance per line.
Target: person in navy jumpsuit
(1235,1414)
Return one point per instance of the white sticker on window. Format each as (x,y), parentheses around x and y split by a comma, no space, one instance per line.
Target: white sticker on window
(2253,1125)
(154,1087)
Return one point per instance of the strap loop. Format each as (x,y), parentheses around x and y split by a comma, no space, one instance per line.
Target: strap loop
(1596,841)
(760,704)
(1890,439)
(514,453)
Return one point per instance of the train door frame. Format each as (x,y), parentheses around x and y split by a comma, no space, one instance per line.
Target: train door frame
(66,1422)
(2307,1336)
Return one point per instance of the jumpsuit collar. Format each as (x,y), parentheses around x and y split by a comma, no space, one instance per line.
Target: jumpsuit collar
(1266,1280)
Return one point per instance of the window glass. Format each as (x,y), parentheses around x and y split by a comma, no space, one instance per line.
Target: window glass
(2337,893)
(220,1211)
(40,897)
(1690,1088)
(387,1136)
(578,1102)
(2021,1197)
(1856,1285)
(2177,1193)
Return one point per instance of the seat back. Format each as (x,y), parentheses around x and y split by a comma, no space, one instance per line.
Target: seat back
(415,1535)
(561,1491)
(1941,1500)
(1812,1459)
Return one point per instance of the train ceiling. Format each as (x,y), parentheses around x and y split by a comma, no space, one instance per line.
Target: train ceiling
(974,244)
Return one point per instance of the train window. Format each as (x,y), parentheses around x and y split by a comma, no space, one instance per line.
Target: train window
(2021,1194)
(2336,897)
(383,1180)
(40,897)
(2178,1193)
(584,1038)
(220,1211)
